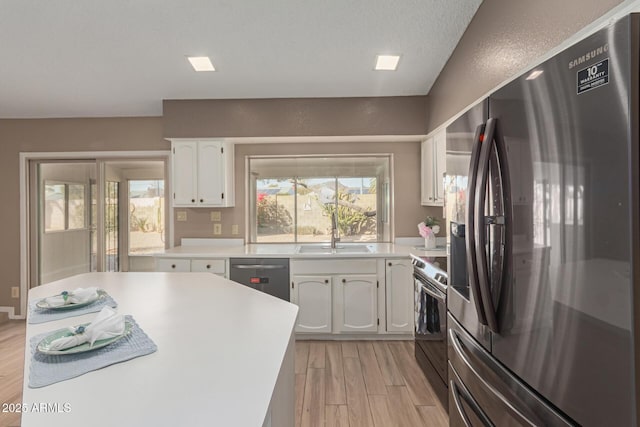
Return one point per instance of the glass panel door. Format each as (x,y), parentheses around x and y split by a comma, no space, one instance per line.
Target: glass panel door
(146,216)
(111,226)
(62,220)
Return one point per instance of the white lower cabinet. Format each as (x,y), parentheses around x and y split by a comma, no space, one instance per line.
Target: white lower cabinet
(200,265)
(399,295)
(336,297)
(312,294)
(356,303)
(173,265)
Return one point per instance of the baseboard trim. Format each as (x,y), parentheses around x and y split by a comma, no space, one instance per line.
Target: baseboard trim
(11,312)
(353,337)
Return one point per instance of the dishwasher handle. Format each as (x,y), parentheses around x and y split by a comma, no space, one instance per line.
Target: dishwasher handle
(258,266)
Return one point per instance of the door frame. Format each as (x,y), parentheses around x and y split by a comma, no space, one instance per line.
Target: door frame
(25,203)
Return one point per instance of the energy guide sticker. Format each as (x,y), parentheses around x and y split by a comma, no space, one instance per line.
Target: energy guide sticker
(593,76)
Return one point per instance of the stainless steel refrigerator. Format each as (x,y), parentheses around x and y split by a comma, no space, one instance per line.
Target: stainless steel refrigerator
(542,198)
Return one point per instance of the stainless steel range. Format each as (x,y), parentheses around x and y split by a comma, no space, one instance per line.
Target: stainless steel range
(431,324)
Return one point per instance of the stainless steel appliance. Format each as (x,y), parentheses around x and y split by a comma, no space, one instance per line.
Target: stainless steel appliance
(543,203)
(269,275)
(430,284)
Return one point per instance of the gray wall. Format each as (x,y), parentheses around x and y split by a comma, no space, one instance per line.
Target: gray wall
(38,135)
(501,40)
(305,117)
(397,115)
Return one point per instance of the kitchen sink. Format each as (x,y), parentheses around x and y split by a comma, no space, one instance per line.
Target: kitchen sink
(340,249)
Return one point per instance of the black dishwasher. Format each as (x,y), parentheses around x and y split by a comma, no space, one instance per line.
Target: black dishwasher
(269,275)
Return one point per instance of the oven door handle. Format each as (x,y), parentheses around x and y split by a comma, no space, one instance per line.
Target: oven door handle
(437,295)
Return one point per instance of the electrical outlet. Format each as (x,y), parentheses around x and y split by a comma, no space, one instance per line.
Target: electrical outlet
(217,229)
(216,216)
(181,215)
(15,292)
(234,229)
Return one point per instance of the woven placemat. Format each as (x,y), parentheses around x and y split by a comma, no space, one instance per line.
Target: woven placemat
(50,369)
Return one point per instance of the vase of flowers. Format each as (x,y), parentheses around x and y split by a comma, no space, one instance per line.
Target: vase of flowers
(428,229)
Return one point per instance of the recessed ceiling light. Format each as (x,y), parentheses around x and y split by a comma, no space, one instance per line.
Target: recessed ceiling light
(534,74)
(201,63)
(387,62)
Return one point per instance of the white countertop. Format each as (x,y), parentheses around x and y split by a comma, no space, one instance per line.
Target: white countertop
(220,349)
(275,250)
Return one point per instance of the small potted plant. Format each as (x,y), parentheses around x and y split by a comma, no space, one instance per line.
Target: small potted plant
(428,230)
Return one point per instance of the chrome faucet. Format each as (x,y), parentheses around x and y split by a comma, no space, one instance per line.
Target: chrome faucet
(334,230)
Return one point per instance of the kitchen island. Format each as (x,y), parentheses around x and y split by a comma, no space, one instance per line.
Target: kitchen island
(225,357)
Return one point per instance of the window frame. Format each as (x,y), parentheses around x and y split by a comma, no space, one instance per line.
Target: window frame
(66,185)
(384,199)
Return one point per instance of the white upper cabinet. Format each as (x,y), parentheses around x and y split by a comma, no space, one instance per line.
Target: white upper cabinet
(185,181)
(433,169)
(202,172)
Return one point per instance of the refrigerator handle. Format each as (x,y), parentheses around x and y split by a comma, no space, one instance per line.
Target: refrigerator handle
(507,213)
(470,240)
(480,226)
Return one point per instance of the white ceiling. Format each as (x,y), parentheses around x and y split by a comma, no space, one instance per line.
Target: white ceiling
(97,58)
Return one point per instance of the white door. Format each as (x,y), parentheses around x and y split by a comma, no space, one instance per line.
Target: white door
(210,173)
(440,147)
(356,303)
(184,163)
(399,289)
(312,294)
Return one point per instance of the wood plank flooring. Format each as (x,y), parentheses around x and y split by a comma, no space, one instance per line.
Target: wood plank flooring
(12,335)
(337,384)
(363,383)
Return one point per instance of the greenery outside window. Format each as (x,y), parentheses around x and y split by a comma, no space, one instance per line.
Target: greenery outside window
(293,199)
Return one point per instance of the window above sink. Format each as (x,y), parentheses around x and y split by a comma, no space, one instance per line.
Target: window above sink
(291,199)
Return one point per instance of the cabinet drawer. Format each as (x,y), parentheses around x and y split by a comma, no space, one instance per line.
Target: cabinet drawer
(216,266)
(168,264)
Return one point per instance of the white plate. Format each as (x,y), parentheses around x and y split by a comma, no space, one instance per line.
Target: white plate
(44,345)
(100,294)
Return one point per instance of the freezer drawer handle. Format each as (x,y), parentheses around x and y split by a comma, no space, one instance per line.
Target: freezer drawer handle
(258,266)
(462,392)
(457,342)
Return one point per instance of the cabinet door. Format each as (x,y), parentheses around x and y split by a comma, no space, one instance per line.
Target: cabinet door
(173,265)
(210,173)
(426,172)
(399,292)
(356,303)
(312,294)
(440,147)
(184,164)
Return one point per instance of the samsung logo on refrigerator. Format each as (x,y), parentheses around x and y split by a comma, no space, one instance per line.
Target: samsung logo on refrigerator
(588,56)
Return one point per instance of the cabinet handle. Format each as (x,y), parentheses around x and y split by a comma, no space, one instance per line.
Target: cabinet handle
(193,200)
(208,265)
(344,280)
(326,280)
(173,266)
(390,264)
(201,200)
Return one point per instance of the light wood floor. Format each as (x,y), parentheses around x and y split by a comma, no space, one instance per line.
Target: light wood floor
(12,335)
(338,383)
(363,383)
